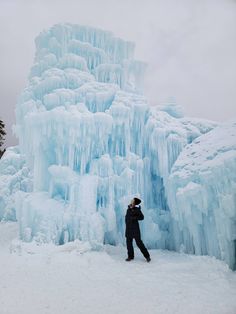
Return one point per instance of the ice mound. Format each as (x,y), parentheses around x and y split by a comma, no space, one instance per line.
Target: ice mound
(14,176)
(202,195)
(172,108)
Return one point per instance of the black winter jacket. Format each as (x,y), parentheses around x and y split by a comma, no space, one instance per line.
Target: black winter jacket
(132,216)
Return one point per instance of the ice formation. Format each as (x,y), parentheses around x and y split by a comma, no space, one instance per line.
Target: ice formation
(91,142)
(14,176)
(202,196)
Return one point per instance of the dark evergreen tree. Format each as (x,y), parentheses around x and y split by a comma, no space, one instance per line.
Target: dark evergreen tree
(2,136)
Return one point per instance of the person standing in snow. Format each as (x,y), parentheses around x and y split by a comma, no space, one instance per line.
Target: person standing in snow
(133,215)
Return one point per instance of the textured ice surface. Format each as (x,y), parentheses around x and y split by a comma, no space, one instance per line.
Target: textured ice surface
(172,108)
(202,195)
(92,142)
(14,176)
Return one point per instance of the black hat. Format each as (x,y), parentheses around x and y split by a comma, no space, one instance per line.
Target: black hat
(137,201)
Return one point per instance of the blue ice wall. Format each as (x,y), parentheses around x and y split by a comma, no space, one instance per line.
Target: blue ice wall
(92,142)
(202,196)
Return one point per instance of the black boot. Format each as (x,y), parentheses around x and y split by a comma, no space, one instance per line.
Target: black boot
(148,259)
(128,259)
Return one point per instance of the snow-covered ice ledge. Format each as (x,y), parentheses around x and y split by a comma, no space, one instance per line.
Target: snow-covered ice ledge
(202,195)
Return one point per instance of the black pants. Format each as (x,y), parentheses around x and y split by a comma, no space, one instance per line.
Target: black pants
(141,246)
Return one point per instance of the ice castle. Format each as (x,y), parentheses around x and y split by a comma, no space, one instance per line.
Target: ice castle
(89,142)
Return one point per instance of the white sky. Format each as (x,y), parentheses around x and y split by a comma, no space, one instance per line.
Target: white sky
(190,46)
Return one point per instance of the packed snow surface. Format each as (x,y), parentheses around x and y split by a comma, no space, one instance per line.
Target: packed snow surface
(71,279)
(89,142)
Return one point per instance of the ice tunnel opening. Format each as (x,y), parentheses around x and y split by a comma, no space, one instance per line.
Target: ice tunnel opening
(60,191)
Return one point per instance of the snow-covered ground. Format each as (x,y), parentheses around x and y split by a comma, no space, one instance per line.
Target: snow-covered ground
(69,279)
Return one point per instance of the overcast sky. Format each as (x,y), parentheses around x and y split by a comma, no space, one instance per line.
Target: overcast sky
(190,46)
